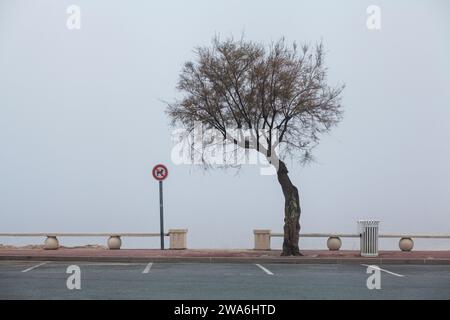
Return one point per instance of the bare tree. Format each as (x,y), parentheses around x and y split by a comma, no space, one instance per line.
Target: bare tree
(277,93)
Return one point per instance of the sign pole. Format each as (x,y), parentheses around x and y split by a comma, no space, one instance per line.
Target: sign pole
(161,213)
(160,173)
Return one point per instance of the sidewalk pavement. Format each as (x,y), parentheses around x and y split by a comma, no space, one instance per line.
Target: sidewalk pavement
(224,256)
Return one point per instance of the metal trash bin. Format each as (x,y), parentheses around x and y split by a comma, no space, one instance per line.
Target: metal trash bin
(368,233)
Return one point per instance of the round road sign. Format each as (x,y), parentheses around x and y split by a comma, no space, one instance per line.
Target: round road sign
(160,172)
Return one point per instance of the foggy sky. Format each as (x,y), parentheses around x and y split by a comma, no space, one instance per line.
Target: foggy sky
(82,120)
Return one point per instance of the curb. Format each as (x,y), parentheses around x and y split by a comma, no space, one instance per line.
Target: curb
(277,260)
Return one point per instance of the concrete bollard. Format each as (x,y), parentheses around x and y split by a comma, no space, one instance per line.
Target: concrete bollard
(406,244)
(262,239)
(178,239)
(114,242)
(334,243)
(51,243)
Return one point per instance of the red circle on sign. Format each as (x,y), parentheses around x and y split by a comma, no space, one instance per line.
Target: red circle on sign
(160,172)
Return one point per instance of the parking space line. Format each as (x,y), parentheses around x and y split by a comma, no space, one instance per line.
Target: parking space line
(264,269)
(34,267)
(104,264)
(387,271)
(147,268)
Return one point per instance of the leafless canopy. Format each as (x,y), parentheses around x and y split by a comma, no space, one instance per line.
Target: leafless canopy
(278,89)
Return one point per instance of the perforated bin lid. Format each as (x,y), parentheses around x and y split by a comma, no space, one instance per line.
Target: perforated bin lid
(366,223)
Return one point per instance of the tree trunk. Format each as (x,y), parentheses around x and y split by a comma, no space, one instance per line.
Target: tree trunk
(291,212)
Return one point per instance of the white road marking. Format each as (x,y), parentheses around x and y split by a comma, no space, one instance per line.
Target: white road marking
(108,264)
(147,268)
(34,267)
(264,269)
(387,271)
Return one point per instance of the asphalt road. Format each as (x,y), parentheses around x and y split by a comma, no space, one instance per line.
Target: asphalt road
(33,280)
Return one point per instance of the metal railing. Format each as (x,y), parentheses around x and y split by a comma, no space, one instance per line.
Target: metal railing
(177,237)
(320,235)
(84,234)
(334,242)
(354,235)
